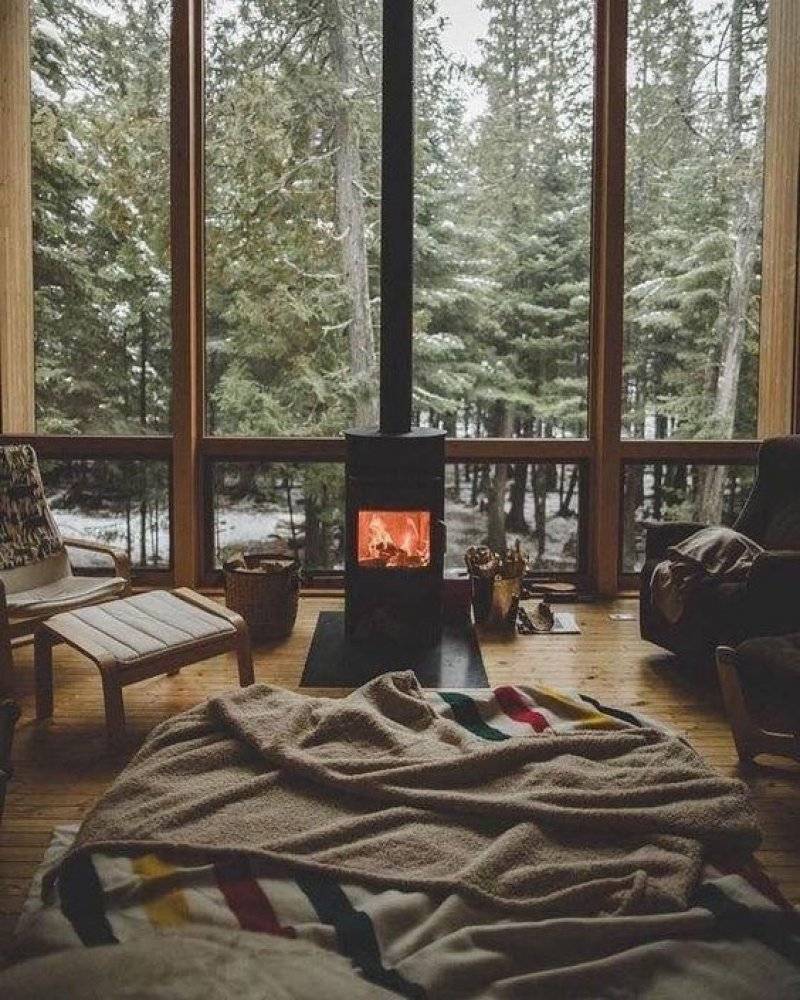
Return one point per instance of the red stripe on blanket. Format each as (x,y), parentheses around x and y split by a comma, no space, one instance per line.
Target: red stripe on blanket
(246,898)
(516,708)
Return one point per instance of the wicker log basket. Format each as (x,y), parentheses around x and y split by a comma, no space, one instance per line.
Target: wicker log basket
(264,590)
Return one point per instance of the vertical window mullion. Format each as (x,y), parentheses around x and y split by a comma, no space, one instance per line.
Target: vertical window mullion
(608,212)
(186,187)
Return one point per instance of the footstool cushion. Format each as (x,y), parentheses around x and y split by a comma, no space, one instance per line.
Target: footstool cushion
(145,625)
(139,637)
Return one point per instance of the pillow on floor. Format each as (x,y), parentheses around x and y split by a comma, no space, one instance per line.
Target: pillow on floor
(192,965)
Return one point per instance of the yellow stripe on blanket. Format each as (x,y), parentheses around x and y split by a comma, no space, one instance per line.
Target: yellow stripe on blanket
(164,909)
(582,714)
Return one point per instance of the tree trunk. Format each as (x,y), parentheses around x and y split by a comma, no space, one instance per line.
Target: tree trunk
(143,518)
(658,491)
(325,541)
(475,486)
(496,528)
(733,97)
(631,501)
(144,346)
(516,515)
(565,504)
(288,485)
(455,490)
(313,533)
(539,480)
(128,528)
(350,215)
(731,325)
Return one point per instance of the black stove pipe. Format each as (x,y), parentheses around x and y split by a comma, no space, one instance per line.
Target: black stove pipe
(397,224)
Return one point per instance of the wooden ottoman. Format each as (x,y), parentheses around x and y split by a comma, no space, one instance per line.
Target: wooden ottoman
(139,637)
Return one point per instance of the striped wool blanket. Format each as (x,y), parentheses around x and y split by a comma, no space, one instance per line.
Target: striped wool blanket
(735,934)
(379,789)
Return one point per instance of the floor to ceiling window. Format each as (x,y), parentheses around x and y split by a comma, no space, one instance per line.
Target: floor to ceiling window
(206,201)
(695,177)
(100,139)
(100,178)
(292,168)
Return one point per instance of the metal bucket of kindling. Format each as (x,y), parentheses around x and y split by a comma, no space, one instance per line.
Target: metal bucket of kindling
(495,602)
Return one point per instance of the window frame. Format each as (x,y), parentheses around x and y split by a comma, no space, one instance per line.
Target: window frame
(191,451)
(233,450)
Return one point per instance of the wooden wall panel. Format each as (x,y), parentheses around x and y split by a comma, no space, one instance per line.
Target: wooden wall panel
(16,252)
(780,316)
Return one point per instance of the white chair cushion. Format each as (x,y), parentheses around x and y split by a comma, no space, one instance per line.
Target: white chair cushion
(35,575)
(63,594)
(147,625)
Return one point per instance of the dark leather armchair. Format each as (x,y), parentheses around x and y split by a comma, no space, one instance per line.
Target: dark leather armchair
(768,602)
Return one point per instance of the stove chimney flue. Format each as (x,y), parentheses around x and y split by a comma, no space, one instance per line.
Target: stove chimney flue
(397,224)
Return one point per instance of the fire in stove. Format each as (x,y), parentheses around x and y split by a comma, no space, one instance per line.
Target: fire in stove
(394,539)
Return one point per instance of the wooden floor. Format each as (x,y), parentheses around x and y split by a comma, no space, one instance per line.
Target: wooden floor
(63,765)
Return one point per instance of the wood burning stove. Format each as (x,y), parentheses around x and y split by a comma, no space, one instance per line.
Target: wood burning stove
(395,537)
(394,521)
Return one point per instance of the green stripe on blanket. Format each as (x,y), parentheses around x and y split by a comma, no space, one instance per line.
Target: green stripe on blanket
(466,714)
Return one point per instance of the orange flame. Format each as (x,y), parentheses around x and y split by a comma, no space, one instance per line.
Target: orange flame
(394,538)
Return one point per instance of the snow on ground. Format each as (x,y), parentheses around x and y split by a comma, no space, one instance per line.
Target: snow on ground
(111,529)
(246,526)
(251,527)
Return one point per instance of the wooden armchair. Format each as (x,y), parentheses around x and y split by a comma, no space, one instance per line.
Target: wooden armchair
(36,576)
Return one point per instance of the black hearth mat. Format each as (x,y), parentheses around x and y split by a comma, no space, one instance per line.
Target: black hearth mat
(334,662)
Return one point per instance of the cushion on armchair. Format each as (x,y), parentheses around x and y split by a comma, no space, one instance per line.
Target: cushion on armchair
(48,586)
(64,594)
(28,533)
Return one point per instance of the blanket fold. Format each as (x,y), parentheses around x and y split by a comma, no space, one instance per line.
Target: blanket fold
(378,789)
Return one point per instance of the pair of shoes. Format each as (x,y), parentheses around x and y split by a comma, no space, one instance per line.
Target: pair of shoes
(542,619)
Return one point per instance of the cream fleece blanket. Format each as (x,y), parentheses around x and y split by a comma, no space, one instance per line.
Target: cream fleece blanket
(378,789)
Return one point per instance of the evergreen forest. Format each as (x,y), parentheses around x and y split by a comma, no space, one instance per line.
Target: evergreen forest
(502,252)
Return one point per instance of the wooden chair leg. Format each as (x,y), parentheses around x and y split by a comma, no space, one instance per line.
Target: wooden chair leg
(43,673)
(6,655)
(750,739)
(244,658)
(6,667)
(115,710)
